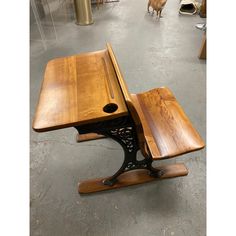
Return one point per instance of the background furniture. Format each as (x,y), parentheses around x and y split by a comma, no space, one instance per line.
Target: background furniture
(203,9)
(203,14)
(202,53)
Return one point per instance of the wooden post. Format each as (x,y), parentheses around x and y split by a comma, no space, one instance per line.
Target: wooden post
(203,9)
(202,54)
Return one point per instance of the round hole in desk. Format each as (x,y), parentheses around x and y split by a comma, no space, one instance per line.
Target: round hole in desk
(110,108)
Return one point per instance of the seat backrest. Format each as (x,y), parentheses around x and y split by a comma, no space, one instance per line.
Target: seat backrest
(129,103)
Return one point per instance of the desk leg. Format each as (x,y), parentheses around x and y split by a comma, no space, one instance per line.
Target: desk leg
(132,171)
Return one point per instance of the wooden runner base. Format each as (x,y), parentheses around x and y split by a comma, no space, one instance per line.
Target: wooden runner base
(132,178)
(86,137)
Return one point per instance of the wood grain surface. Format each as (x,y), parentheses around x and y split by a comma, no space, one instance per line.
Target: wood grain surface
(132,178)
(76,88)
(167,129)
(129,103)
(74,91)
(161,123)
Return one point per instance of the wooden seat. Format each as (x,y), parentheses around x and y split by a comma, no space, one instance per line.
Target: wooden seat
(168,131)
(164,130)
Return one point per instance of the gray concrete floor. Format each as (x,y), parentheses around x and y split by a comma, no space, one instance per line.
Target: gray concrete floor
(151,53)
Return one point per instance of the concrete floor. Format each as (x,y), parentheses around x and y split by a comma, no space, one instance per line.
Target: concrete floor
(151,53)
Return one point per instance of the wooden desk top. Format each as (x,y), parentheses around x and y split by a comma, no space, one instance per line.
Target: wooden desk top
(74,91)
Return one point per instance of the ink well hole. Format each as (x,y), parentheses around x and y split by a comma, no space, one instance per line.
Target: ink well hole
(110,108)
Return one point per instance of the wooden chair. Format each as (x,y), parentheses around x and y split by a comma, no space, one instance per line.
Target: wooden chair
(152,122)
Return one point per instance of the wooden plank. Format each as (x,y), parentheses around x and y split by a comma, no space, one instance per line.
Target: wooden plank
(146,129)
(171,129)
(132,178)
(87,137)
(119,75)
(129,102)
(75,90)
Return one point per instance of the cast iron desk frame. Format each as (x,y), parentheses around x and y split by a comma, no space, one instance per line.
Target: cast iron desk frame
(123,131)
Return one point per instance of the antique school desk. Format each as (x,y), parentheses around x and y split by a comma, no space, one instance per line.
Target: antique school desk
(87,91)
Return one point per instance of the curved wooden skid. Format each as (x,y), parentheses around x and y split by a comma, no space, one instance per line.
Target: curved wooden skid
(132,178)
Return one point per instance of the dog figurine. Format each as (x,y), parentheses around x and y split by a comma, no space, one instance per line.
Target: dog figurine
(157,5)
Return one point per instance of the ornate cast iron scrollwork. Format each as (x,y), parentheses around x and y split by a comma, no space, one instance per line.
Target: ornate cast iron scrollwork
(126,136)
(123,131)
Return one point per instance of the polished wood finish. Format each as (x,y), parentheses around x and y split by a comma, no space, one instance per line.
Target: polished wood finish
(78,91)
(75,90)
(161,123)
(167,129)
(87,137)
(129,103)
(202,54)
(132,178)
